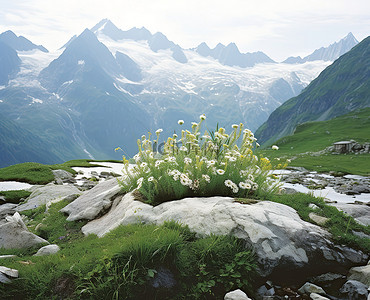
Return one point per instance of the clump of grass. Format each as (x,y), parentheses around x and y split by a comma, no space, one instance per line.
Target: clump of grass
(52,225)
(215,163)
(14,196)
(33,173)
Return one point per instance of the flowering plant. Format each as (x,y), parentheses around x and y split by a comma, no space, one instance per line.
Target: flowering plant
(194,164)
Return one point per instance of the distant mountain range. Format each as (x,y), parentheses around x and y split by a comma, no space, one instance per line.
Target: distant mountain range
(341,88)
(106,87)
(329,53)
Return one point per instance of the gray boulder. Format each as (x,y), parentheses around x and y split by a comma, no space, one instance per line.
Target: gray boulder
(361,213)
(355,290)
(15,235)
(62,176)
(236,295)
(309,288)
(280,238)
(4,278)
(49,193)
(7,209)
(93,202)
(47,250)
(361,274)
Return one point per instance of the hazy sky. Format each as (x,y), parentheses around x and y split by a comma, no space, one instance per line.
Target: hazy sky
(280,28)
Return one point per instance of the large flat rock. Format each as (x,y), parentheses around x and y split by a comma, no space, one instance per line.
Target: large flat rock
(280,238)
(49,193)
(93,202)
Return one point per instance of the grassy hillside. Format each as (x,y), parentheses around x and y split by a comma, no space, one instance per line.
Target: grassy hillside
(315,136)
(341,88)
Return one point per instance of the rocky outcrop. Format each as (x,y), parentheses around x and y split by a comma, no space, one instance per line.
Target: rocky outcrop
(14,234)
(93,202)
(281,239)
(49,193)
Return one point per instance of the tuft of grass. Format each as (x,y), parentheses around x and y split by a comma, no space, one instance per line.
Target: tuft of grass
(14,196)
(33,173)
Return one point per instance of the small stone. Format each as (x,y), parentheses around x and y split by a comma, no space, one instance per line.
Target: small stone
(309,288)
(47,250)
(9,272)
(4,279)
(313,206)
(319,220)
(236,295)
(315,296)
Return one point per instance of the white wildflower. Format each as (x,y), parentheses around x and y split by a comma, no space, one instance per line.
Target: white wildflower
(274,147)
(202,117)
(206,178)
(171,159)
(232,159)
(243,185)
(187,160)
(243,172)
(235,126)
(210,163)
(220,172)
(228,183)
(143,165)
(158,163)
(248,186)
(159,131)
(151,178)
(194,185)
(180,122)
(183,148)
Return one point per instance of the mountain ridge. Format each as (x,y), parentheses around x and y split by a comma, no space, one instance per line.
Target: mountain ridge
(330,53)
(97,93)
(340,88)
(19,43)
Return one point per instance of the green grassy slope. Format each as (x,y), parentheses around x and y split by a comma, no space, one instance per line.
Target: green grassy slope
(341,88)
(316,136)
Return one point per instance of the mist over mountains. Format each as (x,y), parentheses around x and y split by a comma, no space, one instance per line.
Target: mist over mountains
(106,87)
